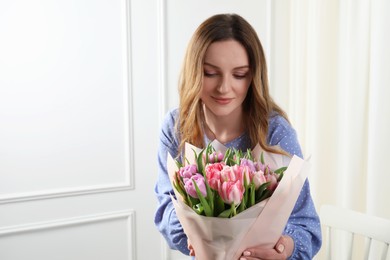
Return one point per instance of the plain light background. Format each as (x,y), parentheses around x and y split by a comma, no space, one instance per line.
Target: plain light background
(84,86)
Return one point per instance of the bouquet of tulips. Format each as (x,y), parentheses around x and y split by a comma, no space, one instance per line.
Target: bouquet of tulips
(228,200)
(220,184)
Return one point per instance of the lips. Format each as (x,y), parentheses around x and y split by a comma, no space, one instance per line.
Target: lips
(222,101)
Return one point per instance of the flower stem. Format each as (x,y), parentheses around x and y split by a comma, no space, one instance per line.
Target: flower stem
(234,212)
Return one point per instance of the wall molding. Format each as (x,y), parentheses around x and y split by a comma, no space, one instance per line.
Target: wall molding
(129,215)
(129,87)
(128,184)
(163,64)
(86,219)
(64,192)
(162,74)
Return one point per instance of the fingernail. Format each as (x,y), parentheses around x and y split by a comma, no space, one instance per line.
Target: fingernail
(242,258)
(247,253)
(280,248)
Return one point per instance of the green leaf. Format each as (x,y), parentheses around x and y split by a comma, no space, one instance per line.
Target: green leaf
(198,208)
(262,158)
(193,201)
(265,195)
(249,155)
(280,173)
(206,206)
(178,164)
(260,190)
(178,185)
(188,162)
(238,155)
(280,170)
(219,205)
(244,202)
(280,177)
(209,150)
(199,161)
(227,156)
(225,214)
(252,199)
(241,207)
(189,201)
(210,193)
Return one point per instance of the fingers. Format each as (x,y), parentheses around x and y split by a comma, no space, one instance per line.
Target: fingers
(285,246)
(192,251)
(282,250)
(247,256)
(280,245)
(260,253)
(279,248)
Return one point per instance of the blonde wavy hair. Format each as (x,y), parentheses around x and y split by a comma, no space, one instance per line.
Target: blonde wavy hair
(258,104)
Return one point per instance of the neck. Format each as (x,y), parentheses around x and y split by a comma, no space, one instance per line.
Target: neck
(223,128)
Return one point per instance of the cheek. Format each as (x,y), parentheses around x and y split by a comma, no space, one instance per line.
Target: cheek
(208,83)
(207,87)
(203,93)
(243,91)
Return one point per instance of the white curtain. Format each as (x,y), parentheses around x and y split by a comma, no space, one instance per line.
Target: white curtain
(330,69)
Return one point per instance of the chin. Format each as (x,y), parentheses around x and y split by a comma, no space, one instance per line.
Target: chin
(224,112)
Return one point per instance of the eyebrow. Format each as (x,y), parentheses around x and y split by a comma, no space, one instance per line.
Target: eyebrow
(239,67)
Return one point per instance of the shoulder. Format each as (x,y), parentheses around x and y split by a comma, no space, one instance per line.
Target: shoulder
(170,118)
(168,136)
(278,125)
(280,132)
(169,122)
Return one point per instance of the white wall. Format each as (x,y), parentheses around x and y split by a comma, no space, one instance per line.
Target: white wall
(75,148)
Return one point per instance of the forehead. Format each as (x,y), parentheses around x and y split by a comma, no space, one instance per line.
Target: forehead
(226,53)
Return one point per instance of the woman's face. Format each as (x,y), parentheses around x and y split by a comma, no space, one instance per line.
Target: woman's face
(226,78)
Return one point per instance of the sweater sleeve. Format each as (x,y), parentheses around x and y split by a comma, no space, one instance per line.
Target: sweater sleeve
(166,219)
(303,226)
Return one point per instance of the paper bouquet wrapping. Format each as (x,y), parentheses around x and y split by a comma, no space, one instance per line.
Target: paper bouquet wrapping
(226,236)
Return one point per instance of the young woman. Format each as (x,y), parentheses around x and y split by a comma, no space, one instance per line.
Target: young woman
(224,95)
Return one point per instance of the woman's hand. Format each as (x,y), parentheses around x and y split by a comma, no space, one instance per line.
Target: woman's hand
(192,251)
(282,250)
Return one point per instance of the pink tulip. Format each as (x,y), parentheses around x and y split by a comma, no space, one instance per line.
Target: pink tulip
(259,166)
(250,164)
(213,174)
(258,178)
(273,181)
(190,187)
(247,174)
(232,192)
(232,173)
(188,170)
(231,189)
(215,157)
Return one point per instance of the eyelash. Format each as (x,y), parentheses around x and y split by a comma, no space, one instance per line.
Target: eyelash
(210,75)
(240,76)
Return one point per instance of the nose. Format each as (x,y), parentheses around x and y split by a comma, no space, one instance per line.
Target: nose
(224,85)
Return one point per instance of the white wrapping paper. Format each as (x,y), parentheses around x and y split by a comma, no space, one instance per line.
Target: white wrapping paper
(226,238)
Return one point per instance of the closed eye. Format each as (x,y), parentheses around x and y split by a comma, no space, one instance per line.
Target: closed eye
(209,74)
(240,76)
